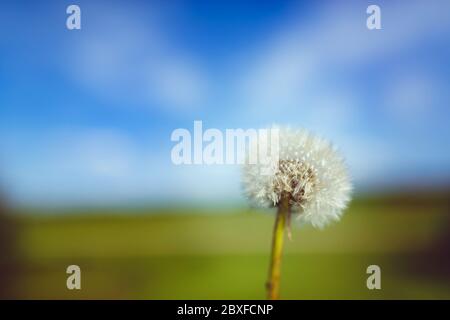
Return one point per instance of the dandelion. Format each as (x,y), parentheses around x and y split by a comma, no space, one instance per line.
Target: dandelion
(308,179)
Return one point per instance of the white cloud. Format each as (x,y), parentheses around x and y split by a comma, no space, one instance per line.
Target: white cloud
(76,164)
(99,153)
(128,58)
(177,83)
(298,61)
(412,96)
(106,166)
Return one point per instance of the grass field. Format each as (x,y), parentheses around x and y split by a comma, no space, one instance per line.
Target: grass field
(148,254)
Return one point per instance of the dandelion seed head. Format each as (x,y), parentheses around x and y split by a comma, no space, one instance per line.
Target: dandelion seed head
(309,170)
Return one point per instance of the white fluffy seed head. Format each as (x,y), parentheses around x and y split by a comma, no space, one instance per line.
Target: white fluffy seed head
(309,170)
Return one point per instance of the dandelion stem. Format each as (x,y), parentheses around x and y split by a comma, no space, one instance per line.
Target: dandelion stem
(273,283)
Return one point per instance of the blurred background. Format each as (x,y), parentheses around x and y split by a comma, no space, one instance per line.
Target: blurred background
(86,117)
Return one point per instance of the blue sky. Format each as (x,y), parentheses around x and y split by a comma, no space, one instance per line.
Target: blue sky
(86,115)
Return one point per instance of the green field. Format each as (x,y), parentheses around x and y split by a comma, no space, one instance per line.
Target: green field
(148,254)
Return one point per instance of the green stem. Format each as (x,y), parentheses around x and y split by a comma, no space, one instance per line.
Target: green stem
(273,283)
